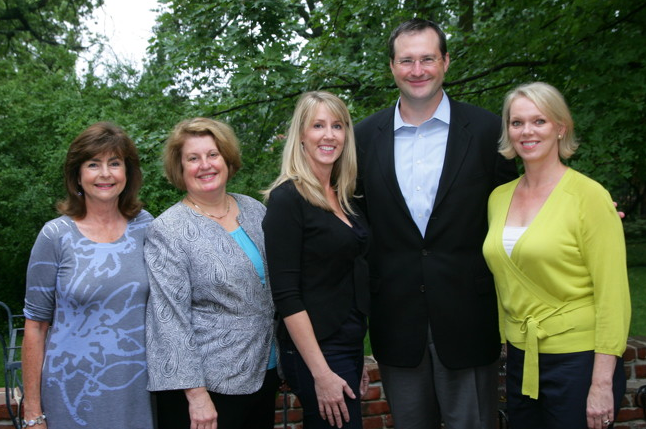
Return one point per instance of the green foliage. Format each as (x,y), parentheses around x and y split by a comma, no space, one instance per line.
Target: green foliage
(44,106)
(635,230)
(636,250)
(249,60)
(246,62)
(33,27)
(637,278)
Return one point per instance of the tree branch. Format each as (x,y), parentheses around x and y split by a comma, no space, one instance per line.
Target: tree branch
(495,69)
(480,91)
(615,22)
(356,86)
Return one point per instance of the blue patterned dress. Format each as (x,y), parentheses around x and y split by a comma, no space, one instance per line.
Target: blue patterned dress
(94,295)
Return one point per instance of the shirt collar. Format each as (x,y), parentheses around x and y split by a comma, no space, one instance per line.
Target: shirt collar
(442,113)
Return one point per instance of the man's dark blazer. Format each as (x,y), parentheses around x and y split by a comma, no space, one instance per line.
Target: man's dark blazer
(441,278)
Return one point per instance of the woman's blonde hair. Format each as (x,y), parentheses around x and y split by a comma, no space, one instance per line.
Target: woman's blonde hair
(295,166)
(552,104)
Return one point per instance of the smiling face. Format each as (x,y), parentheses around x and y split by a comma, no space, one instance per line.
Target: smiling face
(204,169)
(418,82)
(533,135)
(323,139)
(103,178)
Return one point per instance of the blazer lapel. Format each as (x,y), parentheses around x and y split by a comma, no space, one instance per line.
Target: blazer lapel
(457,147)
(385,146)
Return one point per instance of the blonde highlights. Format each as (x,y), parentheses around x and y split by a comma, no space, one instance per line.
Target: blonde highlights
(552,104)
(295,167)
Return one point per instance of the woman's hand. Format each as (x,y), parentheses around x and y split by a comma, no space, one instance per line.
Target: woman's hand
(201,409)
(328,386)
(329,393)
(600,410)
(600,407)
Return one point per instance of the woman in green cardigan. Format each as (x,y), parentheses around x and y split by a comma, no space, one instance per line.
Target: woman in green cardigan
(556,249)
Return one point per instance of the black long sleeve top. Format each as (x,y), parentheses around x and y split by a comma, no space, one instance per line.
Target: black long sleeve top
(316,262)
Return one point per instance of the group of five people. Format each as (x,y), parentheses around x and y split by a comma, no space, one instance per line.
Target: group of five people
(387,220)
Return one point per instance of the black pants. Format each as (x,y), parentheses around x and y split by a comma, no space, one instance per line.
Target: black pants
(564,382)
(347,365)
(253,411)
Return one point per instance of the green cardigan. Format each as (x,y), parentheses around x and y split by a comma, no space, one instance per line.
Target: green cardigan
(565,287)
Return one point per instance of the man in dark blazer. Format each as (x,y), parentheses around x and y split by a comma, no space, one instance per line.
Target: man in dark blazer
(426,169)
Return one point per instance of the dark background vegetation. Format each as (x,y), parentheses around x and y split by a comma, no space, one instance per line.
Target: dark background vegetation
(245,62)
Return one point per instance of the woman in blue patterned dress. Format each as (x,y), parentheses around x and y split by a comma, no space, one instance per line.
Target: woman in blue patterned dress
(84,363)
(210,347)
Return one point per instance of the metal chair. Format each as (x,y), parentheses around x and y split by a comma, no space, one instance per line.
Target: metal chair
(640,398)
(11,341)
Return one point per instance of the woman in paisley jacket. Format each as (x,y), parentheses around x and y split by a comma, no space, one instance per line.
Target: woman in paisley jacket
(210,341)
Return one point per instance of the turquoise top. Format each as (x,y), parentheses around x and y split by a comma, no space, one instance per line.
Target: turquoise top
(248,246)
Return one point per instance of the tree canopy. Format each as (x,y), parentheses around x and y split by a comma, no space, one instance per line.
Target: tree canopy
(250,59)
(245,62)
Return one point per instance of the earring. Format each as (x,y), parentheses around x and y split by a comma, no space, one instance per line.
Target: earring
(560,137)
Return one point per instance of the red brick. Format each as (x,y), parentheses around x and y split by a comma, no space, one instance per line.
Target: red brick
(295,415)
(640,371)
(639,342)
(630,354)
(390,423)
(292,401)
(374,408)
(4,413)
(373,373)
(374,392)
(278,403)
(629,414)
(627,401)
(373,422)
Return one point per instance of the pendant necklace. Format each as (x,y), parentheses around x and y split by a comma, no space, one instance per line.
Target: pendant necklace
(209,214)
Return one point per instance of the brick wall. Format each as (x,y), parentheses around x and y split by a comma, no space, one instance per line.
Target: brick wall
(5,420)
(376,413)
(631,416)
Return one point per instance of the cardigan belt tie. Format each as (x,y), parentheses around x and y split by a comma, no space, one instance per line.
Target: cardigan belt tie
(532,329)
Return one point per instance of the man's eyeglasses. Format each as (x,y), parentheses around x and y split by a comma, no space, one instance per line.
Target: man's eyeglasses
(409,63)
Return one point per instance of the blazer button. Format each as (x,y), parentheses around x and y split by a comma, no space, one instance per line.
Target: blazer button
(422,288)
(424,252)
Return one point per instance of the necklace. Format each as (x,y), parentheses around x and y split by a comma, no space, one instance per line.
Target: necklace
(209,214)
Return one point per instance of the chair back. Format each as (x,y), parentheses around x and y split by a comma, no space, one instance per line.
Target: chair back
(11,341)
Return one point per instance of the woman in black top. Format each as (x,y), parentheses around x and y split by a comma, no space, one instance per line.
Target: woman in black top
(316,241)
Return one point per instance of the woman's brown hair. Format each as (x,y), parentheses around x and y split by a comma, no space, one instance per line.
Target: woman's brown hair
(100,138)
